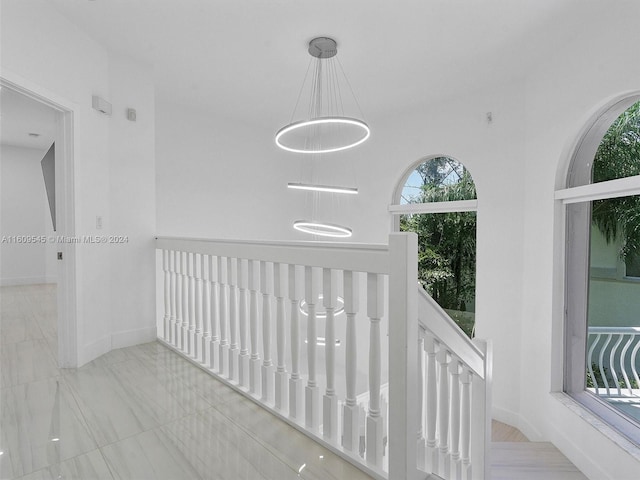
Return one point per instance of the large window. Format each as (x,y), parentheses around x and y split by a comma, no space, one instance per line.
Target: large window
(602,334)
(438,196)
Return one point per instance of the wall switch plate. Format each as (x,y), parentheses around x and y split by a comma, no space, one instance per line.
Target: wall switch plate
(131,114)
(98,223)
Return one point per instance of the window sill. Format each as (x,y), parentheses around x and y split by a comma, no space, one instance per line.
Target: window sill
(607,421)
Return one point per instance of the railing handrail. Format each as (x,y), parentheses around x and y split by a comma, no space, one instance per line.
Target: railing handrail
(447,332)
(359,257)
(614,330)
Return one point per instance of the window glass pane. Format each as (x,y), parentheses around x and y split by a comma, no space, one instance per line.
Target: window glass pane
(613,351)
(446,241)
(618,155)
(438,180)
(632,264)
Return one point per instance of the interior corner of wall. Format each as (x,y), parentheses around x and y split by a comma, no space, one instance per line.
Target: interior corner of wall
(517,420)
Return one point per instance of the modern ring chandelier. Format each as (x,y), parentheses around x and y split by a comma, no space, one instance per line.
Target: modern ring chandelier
(322,229)
(324,128)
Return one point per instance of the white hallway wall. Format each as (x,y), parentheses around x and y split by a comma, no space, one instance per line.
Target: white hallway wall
(24,212)
(589,67)
(114,167)
(515,162)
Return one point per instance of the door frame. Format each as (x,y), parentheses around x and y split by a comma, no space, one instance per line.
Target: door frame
(67,309)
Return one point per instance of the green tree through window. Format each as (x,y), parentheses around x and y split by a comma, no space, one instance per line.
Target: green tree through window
(618,156)
(446,241)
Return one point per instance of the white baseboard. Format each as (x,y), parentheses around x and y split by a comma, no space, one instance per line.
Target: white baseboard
(14,281)
(94,350)
(133,337)
(117,340)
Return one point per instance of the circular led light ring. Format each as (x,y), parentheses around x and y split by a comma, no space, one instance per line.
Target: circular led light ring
(322,188)
(321,341)
(322,229)
(320,121)
(322,314)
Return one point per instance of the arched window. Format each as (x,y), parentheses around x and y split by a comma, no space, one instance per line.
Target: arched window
(602,292)
(437,199)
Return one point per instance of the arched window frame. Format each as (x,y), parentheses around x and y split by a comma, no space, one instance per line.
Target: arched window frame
(574,199)
(396,209)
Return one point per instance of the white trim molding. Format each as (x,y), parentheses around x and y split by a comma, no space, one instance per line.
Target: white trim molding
(67,292)
(435,207)
(621,187)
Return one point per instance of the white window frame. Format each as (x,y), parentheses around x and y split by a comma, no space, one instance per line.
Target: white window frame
(396,208)
(575,201)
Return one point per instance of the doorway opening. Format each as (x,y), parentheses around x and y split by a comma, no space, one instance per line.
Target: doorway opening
(37,278)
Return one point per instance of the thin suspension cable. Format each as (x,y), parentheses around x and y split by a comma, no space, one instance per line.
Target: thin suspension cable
(300,92)
(339,106)
(332,88)
(350,88)
(341,103)
(314,88)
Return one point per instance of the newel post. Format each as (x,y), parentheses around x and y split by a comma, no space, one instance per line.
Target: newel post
(481,389)
(403,353)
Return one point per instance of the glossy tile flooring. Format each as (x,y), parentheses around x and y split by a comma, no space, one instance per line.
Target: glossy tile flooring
(136,413)
(144,412)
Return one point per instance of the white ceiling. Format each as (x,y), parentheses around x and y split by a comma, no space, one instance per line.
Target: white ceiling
(247,58)
(20,115)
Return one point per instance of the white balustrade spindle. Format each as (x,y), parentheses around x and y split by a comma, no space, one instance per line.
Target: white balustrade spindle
(375,427)
(223,360)
(443,357)
(421,445)
(296,384)
(198,352)
(232,271)
(167,296)
(173,294)
(351,411)
(243,363)
(266,283)
(455,413)
(431,404)
(214,352)
(312,391)
(254,361)
(330,399)
(281,383)
(179,314)
(186,312)
(191,264)
(206,312)
(465,421)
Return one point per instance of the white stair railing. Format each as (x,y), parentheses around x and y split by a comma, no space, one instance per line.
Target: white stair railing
(455,409)
(613,351)
(217,300)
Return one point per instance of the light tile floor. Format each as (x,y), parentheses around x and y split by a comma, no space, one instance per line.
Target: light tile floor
(136,413)
(145,413)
